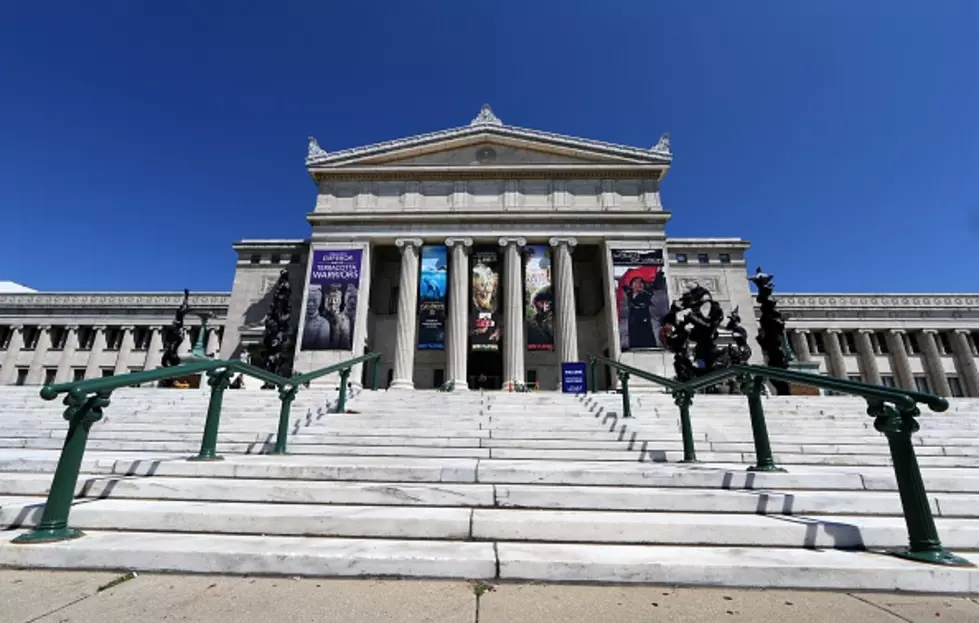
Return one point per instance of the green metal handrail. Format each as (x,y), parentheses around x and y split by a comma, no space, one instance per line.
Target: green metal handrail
(86,400)
(894,411)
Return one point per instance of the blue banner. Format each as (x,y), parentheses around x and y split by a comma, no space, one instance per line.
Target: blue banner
(431,298)
(573,378)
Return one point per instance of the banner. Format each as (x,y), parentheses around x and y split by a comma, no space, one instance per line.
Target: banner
(486,322)
(539,298)
(331,303)
(431,298)
(641,296)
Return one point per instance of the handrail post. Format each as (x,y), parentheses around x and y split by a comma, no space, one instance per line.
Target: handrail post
(591,376)
(219,381)
(81,413)
(924,544)
(759,430)
(342,398)
(682,398)
(287,394)
(626,406)
(377,371)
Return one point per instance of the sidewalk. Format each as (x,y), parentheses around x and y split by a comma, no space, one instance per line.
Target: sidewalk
(97,597)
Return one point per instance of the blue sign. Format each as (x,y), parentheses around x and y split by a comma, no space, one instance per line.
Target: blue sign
(573,378)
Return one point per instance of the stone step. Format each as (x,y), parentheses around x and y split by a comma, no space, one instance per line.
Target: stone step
(241,555)
(326,557)
(562,497)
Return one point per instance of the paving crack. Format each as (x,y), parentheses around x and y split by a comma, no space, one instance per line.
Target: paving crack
(880,607)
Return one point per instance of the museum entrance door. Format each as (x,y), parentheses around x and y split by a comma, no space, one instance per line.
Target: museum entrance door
(485,369)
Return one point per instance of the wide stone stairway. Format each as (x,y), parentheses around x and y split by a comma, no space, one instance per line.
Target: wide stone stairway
(536,486)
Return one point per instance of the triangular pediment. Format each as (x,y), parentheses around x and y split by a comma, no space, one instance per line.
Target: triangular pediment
(487,144)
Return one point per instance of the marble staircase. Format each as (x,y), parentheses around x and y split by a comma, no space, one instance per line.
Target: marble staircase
(537,486)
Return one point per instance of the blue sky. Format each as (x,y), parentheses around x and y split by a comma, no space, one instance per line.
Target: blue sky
(139,140)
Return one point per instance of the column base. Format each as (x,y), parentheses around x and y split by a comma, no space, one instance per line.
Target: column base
(460,386)
(401,384)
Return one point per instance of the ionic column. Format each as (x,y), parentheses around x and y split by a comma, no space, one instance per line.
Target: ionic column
(836,365)
(35,374)
(933,363)
(67,355)
(125,349)
(213,344)
(899,357)
(404,346)
(14,347)
(965,363)
(868,359)
(92,370)
(513,317)
(458,313)
(801,346)
(186,345)
(566,336)
(155,351)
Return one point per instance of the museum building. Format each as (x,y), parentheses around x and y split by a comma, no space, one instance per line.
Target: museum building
(486,256)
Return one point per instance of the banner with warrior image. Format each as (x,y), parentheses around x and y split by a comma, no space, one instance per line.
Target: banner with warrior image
(641,296)
(486,321)
(431,298)
(538,298)
(331,300)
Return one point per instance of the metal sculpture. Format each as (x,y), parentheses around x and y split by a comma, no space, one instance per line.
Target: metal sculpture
(771,328)
(691,330)
(174,333)
(278,340)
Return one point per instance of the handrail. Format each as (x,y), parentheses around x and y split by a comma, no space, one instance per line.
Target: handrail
(86,400)
(649,376)
(893,410)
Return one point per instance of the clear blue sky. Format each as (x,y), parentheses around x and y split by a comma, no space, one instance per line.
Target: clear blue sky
(139,140)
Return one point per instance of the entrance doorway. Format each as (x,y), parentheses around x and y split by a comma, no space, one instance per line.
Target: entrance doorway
(485,369)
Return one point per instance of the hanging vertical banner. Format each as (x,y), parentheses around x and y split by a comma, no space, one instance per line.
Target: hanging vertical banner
(486,322)
(431,298)
(538,298)
(331,300)
(641,296)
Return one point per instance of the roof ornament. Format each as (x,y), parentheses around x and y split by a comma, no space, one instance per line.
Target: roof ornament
(315,151)
(486,117)
(663,146)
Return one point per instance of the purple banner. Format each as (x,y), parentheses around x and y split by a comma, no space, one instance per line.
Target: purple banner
(331,303)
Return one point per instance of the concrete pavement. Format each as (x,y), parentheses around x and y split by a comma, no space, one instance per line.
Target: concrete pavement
(82,597)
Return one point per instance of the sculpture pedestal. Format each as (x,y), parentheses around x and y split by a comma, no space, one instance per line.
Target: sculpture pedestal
(796,389)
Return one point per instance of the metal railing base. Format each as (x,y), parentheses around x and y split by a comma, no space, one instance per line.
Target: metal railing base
(934,557)
(202,459)
(775,469)
(53,535)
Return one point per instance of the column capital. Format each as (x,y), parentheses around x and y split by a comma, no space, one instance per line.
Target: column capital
(17,327)
(866,331)
(802,331)
(505,242)
(403,243)
(463,242)
(897,331)
(964,332)
(155,327)
(127,327)
(833,331)
(931,332)
(559,241)
(44,327)
(99,327)
(71,327)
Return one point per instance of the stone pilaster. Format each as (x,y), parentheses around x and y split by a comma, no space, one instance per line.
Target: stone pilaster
(933,363)
(899,357)
(92,370)
(800,344)
(965,363)
(514,344)
(458,313)
(213,344)
(35,374)
(566,335)
(404,348)
(868,359)
(14,346)
(125,349)
(836,365)
(154,353)
(67,355)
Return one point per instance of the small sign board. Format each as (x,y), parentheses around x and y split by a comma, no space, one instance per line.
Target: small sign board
(573,378)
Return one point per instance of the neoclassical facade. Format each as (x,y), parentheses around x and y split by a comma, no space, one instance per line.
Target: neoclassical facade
(481,256)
